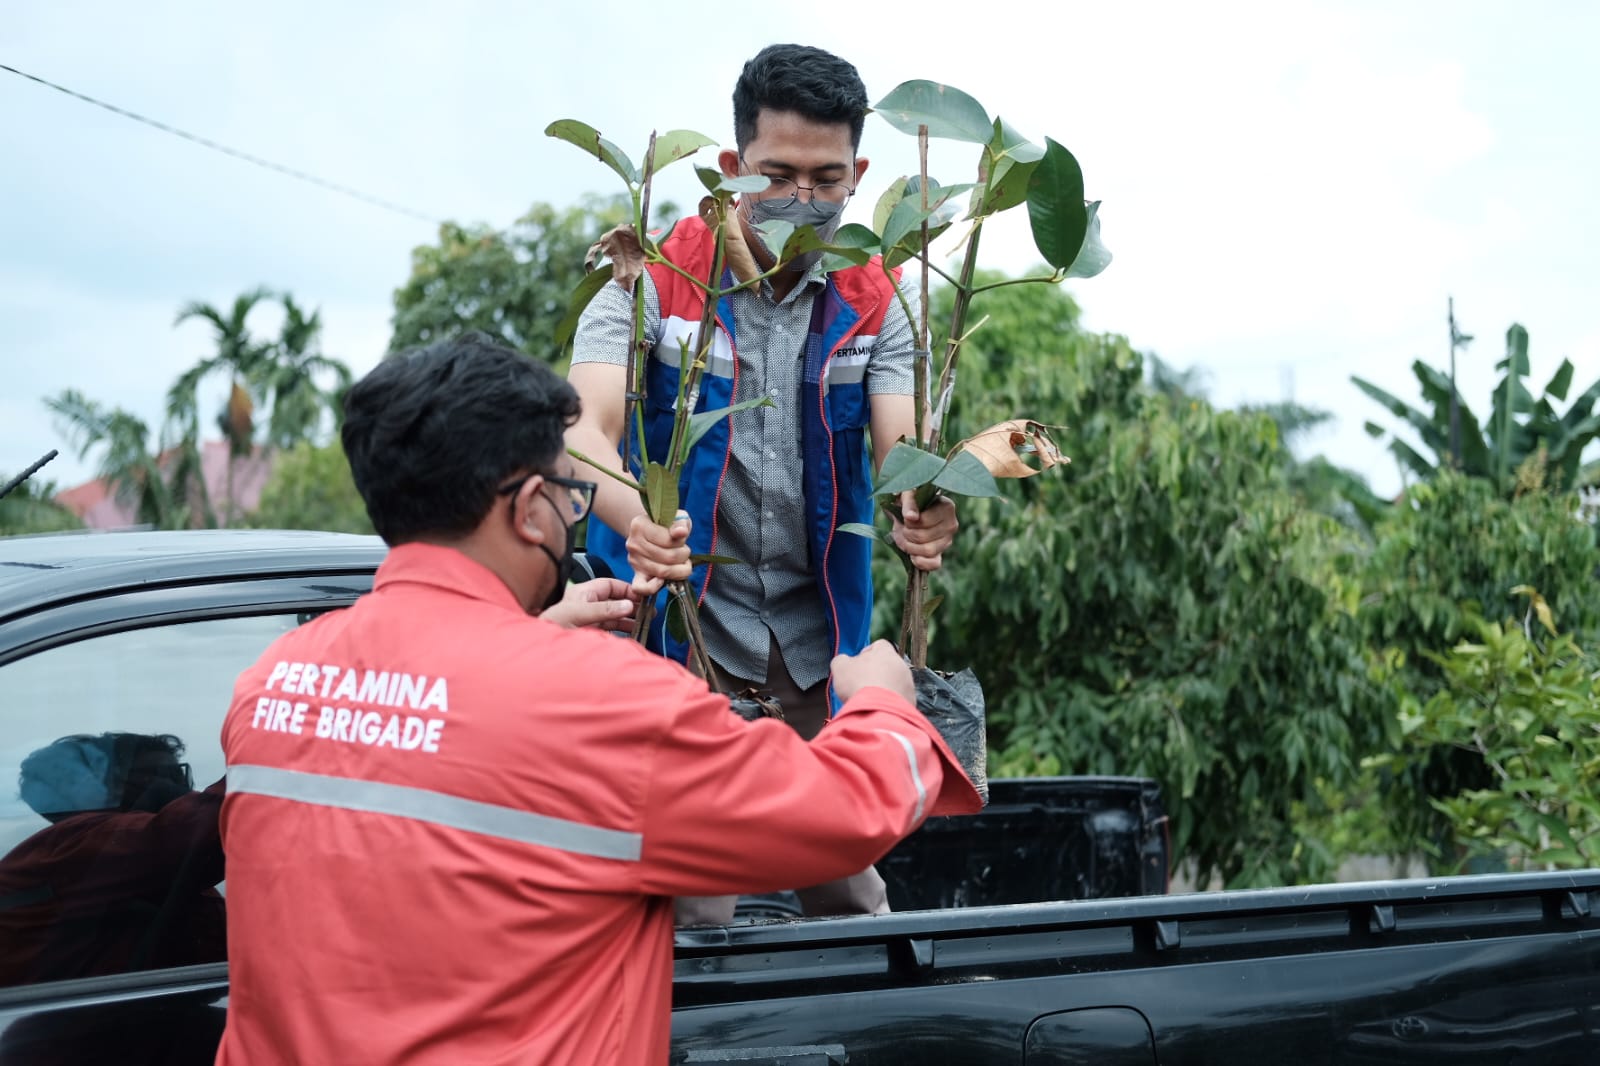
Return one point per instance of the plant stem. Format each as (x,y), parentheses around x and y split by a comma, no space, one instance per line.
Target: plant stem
(690,385)
(697,640)
(688,399)
(958,321)
(1051,278)
(628,481)
(913,618)
(924,355)
(637,352)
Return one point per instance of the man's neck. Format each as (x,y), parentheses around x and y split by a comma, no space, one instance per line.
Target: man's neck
(784,282)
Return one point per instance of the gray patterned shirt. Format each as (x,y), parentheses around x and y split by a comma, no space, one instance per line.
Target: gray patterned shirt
(761,513)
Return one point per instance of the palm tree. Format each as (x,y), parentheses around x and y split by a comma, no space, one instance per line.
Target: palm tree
(242,360)
(127,464)
(289,378)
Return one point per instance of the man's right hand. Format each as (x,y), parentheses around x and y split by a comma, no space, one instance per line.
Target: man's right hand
(658,554)
(879,665)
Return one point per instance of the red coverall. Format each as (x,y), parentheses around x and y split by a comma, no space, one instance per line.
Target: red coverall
(453,830)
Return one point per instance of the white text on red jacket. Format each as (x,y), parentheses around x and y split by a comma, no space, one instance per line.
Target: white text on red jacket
(345,699)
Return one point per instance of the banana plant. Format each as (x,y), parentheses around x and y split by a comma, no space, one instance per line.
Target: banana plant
(1520,427)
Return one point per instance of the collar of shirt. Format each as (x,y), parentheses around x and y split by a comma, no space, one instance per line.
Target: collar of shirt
(444,568)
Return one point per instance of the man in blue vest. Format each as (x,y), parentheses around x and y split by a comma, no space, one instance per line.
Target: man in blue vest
(770,486)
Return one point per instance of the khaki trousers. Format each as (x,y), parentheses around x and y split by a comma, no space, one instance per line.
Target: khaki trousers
(806,710)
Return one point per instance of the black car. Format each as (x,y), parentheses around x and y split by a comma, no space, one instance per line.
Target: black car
(107,640)
(118,654)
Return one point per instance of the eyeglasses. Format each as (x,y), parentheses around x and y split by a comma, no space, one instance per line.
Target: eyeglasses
(782,191)
(579,495)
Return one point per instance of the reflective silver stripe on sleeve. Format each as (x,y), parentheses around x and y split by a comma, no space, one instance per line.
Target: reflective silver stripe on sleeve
(916,775)
(436,808)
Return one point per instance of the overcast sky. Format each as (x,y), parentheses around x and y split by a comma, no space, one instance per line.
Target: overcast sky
(1291,189)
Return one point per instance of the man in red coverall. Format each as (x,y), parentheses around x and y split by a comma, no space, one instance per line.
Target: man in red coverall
(453,828)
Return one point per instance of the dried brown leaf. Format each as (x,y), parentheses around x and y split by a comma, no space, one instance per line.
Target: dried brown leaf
(735,249)
(621,246)
(1015,449)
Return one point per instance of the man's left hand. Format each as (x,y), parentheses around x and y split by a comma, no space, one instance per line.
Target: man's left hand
(603,602)
(927,534)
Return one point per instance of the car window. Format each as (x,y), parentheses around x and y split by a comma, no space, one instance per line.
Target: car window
(110,860)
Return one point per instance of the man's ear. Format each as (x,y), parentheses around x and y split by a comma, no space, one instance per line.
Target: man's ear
(728,160)
(525,511)
(861,169)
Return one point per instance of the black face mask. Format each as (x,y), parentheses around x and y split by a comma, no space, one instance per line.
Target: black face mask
(566,564)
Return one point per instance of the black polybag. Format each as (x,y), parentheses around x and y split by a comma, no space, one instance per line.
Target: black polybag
(954,704)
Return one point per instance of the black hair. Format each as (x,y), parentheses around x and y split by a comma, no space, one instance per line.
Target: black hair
(432,432)
(808,81)
(109,771)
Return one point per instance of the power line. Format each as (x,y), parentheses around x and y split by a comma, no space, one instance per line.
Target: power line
(367,198)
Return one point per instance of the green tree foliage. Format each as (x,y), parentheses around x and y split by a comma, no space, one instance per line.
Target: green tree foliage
(1452,551)
(1524,701)
(31,508)
(514,283)
(1164,607)
(1321,485)
(1519,428)
(311,488)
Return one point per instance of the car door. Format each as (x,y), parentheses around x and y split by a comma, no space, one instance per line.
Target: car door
(112,901)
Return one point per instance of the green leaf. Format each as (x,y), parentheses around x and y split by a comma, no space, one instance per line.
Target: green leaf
(587,289)
(1516,361)
(805,239)
(946,111)
(1012,158)
(860,529)
(965,475)
(904,221)
(886,203)
(743,183)
(911,246)
(907,467)
(710,177)
(1010,187)
(930,605)
(852,245)
(715,560)
(588,138)
(701,423)
(661,491)
(677,622)
(1557,389)
(1056,208)
(1007,142)
(675,145)
(1093,257)
(775,233)
(938,195)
